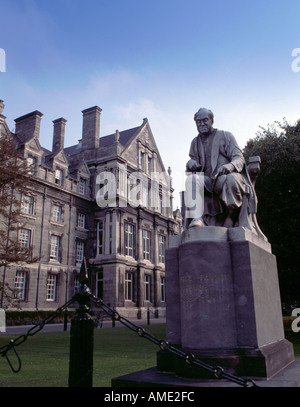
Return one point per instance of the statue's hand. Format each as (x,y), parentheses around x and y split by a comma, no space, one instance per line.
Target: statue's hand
(226,169)
(193,166)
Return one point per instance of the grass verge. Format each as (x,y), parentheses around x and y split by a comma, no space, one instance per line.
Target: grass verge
(45,357)
(117,351)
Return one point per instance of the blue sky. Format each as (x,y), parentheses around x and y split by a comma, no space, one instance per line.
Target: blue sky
(160,59)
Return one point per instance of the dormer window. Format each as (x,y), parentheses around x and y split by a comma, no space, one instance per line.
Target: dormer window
(82,186)
(31,165)
(58,177)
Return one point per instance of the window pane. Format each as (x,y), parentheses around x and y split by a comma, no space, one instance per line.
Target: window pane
(27,205)
(24,238)
(54,247)
(146,244)
(81,187)
(58,177)
(161,248)
(99,284)
(129,239)
(51,287)
(128,286)
(147,288)
(31,164)
(100,237)
(162,289)
(76,284)
(56,213)
(20,281)
(79,251)
(81,220)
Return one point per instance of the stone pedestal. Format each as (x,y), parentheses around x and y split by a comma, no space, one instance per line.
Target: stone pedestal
(223,304)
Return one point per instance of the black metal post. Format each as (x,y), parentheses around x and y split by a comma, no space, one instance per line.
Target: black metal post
(82,337)
(65,321)
(148,316)
(113,321)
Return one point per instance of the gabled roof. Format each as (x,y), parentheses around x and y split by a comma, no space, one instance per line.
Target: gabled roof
(73,149)
(125,137)
(81,165)
(59,155)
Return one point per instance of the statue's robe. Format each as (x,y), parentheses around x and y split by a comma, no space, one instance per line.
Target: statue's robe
(221,191)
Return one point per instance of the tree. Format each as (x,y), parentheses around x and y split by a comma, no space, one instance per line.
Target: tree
(14,182)
(278,192)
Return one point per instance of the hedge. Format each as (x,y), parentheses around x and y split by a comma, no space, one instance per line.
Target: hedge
(32,317)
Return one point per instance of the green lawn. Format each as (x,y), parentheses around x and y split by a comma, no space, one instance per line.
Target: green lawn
(117,351)
(45,357)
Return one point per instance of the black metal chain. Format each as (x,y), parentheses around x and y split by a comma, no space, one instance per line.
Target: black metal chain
(32,331)
(217,371)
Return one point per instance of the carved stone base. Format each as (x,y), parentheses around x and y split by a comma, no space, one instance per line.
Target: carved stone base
(248,362)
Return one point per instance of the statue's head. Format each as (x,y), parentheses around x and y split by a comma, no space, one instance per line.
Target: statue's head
(204,119)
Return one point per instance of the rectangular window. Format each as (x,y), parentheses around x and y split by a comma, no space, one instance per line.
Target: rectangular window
(99,284)
(129,237)
(82,186)
(24,238)
(20,285)
(149,164)
(123,181)
(76,284)
(146,244)
(51,287)
(130,188)
(27,205)
(128,295)
(79,251)
(161,248)
(142,161)
(145,195)
(56,213)
(54,247)
(58,177)
(100,237)
(162,289)
(147,287)
(31,164)
(81,220)
(110,239)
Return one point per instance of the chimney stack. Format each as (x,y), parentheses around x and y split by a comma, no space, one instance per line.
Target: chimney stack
(28,126)
(2,106)
(91,128)
(2,118)
(59,126)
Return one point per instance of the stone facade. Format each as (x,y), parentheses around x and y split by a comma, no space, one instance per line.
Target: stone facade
(72,212)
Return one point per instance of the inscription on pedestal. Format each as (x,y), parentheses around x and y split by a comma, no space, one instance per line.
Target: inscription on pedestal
(201,288)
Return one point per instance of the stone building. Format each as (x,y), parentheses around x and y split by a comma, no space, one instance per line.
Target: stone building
(107,199)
